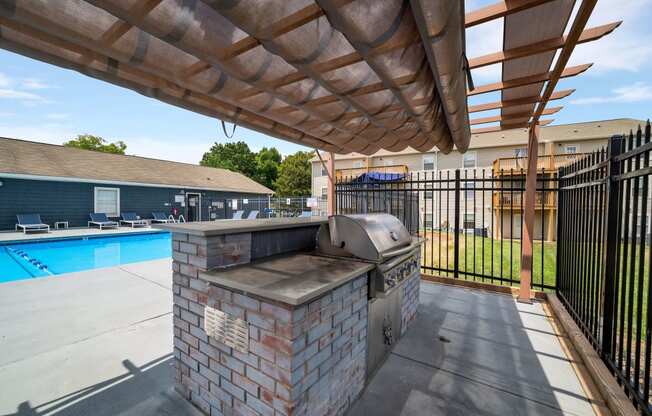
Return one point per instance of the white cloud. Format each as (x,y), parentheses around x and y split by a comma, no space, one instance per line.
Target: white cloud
(626,94)
(34,84)
(20,95)
(56,116)
(47,133)
(5,81)
(166,149)
(628,48)
(7,114)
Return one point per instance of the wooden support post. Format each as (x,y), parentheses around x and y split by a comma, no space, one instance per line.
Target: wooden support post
(525,293)
(331,184)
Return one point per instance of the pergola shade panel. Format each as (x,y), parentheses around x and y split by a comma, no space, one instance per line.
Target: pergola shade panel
(337,75)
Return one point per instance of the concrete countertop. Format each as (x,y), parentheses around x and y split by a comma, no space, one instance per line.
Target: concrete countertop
(294,278)
(222,227)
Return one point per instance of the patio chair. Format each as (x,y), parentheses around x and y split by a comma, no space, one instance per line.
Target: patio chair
(130,218)
(160,217)
(100,219)
(237,215)
(31,222)
(252,215)
(305,214)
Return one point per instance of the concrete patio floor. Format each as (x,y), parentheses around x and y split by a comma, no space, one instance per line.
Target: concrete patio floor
(99,343)
(14,236)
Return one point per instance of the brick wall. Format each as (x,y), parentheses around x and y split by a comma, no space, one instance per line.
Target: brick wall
(302,360)
(410,300)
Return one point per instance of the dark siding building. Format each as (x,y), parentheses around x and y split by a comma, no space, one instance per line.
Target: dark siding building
(27,185)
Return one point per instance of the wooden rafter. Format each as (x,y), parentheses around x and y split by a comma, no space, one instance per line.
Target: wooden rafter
(276,29)
(509,127)
(367,89)
(120,27)
(506,118)
(581,18)
(528,80)
(540,47)
(498,10)
(517,102)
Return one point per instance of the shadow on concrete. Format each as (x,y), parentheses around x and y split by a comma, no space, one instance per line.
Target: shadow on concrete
(475,352)
(143,391)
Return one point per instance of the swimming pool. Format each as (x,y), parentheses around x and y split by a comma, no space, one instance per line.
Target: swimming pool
(30,260)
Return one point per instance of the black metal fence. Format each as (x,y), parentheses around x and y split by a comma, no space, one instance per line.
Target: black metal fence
(604,254)
(471,219)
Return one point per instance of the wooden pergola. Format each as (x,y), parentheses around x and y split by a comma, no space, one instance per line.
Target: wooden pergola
(336,75)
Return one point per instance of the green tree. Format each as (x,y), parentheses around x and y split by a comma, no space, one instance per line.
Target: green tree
(96,143)
(267,164)
(294,177)
(232,156)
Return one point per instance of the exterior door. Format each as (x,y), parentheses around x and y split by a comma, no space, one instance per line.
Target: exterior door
(194,207)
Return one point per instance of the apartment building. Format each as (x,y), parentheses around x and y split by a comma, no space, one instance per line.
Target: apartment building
(499,155)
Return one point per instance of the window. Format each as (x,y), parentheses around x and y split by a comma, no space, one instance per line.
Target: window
(469,160)
(571,149)
(520,152)
(428,162)
(107,200)
(324,192)
(469,220)
(469,189)
(357,164)
(388,162)
(427,194)
(324,171)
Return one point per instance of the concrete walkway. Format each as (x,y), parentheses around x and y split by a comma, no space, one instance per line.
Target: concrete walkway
(472,352)
(99,343)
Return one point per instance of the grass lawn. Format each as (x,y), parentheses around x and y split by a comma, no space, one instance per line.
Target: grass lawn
(479,254)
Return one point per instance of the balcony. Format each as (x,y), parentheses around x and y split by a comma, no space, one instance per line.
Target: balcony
(516,202)
(547,163)
(355,172)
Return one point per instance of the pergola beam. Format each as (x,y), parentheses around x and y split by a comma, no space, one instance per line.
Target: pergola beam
(498,10)
(509,127)
(582,17)
(528,80)
(588,35)
(517,102)
(525,117)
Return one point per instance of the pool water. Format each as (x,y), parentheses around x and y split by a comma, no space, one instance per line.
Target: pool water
(38,259)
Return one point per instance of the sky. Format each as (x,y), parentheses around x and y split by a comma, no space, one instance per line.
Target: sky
(45,103)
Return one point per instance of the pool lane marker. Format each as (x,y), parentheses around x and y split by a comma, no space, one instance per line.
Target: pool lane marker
(42,267)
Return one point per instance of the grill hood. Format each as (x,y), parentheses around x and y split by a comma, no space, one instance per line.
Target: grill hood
(372,237)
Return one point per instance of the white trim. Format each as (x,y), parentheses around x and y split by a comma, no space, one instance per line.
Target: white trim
(105,182)
(188,204)
(100,188)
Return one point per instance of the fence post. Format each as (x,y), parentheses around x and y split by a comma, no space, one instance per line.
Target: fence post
(610,261)
(456,227)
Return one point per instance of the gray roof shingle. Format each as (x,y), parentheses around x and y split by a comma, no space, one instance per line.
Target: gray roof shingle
(32,158)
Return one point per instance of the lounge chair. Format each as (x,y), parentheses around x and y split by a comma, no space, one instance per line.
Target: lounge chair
(31,222)
(252,215)
(100,219)
(130,218)
(237,215)
(305,214)
(160,217)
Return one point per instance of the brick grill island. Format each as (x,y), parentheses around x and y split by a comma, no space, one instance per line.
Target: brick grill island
(264,326)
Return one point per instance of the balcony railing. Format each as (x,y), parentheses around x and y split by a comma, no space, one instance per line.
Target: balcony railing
(355,172)
(515,200)
(547,163)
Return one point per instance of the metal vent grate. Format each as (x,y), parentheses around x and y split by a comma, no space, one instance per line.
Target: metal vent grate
(227,329)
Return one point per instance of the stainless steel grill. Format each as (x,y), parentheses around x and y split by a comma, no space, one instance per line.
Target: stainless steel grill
(383,240)
(377,238)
